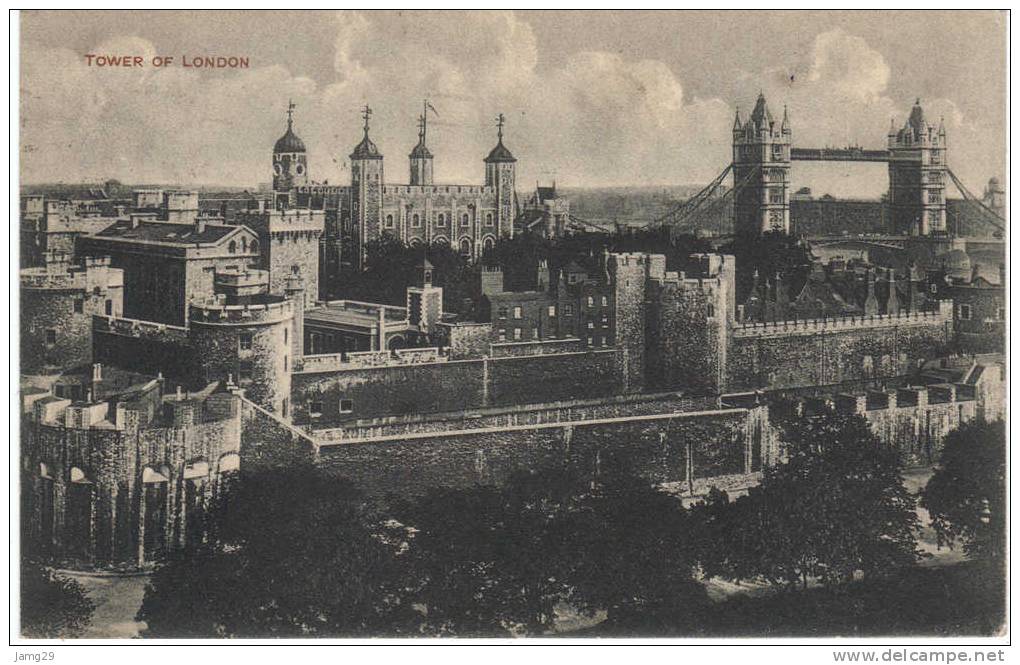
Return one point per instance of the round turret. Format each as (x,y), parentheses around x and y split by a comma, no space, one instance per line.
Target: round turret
(249,344)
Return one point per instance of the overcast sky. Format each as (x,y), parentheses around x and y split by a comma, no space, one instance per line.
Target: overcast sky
(591,99)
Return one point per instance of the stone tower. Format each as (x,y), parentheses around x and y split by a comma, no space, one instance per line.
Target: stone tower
(248,342)
(421,157)
(761,172)
(366,189)
(290,165)
(501,173)
(917,176)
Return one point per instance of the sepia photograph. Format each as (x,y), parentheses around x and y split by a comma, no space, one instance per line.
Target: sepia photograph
(526,326)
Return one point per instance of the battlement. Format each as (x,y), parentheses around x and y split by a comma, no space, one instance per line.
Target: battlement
(137,328)
(280,221)
(332,362)
(853,322)
(61,275)
(216,311)
(438,189)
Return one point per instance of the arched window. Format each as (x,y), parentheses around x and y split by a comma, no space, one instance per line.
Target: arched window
(488,244)
(441,240)
(232,247)
(415,220)
(488,219)
(465,220)
(389,221)
(255,246)
(465,247)
(244,245)
(441,220)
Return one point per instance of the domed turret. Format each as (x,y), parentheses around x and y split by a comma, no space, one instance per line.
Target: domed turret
(421,157)
(500,153)
(289,158)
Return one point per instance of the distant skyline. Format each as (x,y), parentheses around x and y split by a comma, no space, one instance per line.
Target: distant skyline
(592,98)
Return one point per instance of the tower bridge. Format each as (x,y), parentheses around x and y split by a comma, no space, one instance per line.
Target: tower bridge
(763,152)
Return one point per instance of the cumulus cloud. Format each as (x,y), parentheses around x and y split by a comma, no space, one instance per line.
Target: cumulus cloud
(590,117)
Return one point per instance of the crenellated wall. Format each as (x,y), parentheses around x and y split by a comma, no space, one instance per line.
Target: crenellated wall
(821,352)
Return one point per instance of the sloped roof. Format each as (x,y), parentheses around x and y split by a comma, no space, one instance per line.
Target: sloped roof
(167,233)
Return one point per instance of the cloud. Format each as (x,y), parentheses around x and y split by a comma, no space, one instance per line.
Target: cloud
(589,117)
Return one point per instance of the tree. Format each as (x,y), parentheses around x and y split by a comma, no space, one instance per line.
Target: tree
(293,554)
(631,556)
(966,496)
(488,560)
(835,507)
(52,606)
(498,561)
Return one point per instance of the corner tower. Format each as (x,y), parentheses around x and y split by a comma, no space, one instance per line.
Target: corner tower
(366,189)
(917,176)
(290,163)
(421,157)
(761,172)
(501,174)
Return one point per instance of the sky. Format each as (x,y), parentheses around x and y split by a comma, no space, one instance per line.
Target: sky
(591,98)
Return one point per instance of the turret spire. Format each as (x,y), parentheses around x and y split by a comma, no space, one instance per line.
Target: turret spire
(366,113)
(290,114)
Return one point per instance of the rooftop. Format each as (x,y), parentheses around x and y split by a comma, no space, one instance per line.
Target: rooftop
(167,233)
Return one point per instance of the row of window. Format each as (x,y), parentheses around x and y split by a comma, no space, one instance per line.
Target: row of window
(78,307)
(465,220)
(315,409)
(232,246)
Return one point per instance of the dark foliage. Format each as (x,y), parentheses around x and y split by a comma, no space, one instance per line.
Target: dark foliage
(294,555)
(836,507)
(498,562)
(951,601)
(966,496)
(52,606)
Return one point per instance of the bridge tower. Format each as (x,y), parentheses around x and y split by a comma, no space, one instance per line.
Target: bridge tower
(761,172)
(917,176)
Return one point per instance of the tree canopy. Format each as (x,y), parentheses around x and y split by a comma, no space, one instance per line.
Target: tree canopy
(836,506)
(966,496)
(52,605)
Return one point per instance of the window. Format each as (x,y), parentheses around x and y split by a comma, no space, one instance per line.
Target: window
(591,301)
(109,308)
(572,278)
(710,310)
(51,336)
(502,335)
(285,335)
(244,342)
(286,363)
(775,196)
(232,247)
(346,405)
(591,325)
(244,370)
(517,333)
(568,310)
(517,312)
(591,341)
(389,221)
(79,306)
(502,312)
(283,407)
(488,219)
(552,310)
(1000,314)
(315,409)
(441,220)
(964,312)
(465,220)
(415,220)
(934,288)
(534,333)
(605,301)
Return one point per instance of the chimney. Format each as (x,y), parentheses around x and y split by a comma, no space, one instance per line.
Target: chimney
(199,224)
(97,372)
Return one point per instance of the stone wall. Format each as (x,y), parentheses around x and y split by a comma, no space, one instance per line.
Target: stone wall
(819,353)
(125,496)
(401,389)
(660,447)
